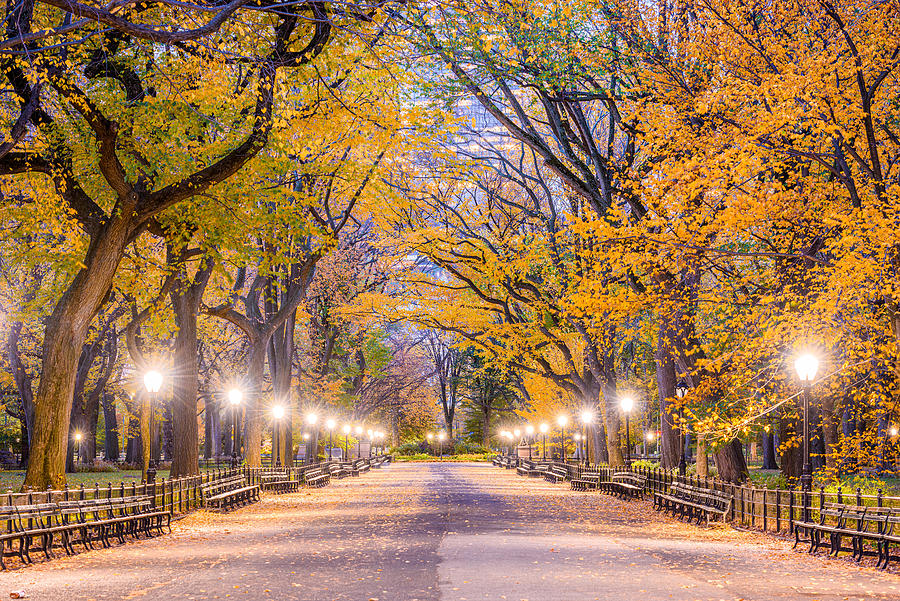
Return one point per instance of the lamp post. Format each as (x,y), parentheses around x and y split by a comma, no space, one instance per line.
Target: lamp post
(77,448)
(153,382)
(517,438)
(330,424)
(312,419)
(347,428)
(359,431)
(627,405)
(371,435)
(681,390)
(278,414)
(529,430)
(806,365)
(441,436)
(577,438)
(587,417)
(561,421)
(544,428)
(235,396)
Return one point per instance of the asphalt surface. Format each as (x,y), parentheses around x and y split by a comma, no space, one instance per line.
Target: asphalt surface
(448,532)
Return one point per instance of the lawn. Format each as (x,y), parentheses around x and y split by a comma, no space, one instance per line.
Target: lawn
(12,479)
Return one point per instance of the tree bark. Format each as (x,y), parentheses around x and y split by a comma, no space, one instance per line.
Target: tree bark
(670,438)
(769,451)
(111,424)
(730,462)
(64,335)
(702,460)
(611,417)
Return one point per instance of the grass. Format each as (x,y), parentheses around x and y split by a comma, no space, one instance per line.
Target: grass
(460,457)
(12,479)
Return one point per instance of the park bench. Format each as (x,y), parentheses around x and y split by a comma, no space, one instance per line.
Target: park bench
(317,478)
(339,470)
(524,467)
(229,492)
(91,519)
(693,502)
(624,484)
(586,481)
(278,481)
(376,462)
(890,536)
(858,523)
(556,474)
(360,466)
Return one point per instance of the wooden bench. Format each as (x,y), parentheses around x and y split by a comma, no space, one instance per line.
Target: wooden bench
(586,481)
(360,466)
(229,492)
(91,519)
(692,502)
(339,470)
(859,524)
(278,481)
(316,478)
(624,485)
(556,474)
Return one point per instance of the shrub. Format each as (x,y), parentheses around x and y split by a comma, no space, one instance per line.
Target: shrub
(98,466)
(469,448)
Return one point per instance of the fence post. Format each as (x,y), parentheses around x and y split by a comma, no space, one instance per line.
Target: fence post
(791,511)
(777,510)
(858,497)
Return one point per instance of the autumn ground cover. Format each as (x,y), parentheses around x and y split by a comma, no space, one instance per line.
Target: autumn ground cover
(449,532)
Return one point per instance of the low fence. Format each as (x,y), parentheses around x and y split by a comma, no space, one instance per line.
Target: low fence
(765,509)
(178,495)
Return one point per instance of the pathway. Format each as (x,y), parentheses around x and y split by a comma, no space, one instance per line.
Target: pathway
(448,532)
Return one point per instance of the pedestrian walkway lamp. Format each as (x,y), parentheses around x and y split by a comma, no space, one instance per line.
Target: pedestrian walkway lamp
(627,405)
(561,421)
(77,448)
(577,438)
(441,436)
(153,382)
(278,414)
(806,366)
(681,390)
(529,430)
(330,424)
(235,396)
(587,418)
(544,427)
(347,428)
(371,434)
(359,431)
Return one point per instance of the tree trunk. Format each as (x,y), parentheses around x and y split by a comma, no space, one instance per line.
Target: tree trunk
(730,462)
(830,433)
(211,442)
(670,438)
(600,443)
(253,410)
(612,420)
(768,451)
(702,460)
(791,448)
(281,352)
(185,450)
(111,424)
(64,336)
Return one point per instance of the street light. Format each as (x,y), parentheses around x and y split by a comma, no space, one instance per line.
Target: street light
(77,448)
(277,413)
(441,436)
(587,418)
(577,438)
(627,405)
(347,428)
(544,428)
(806,365)
(153,382)
(329,425)
(681,390)
(529,430)
(359,431)
(235,396)
(562,420)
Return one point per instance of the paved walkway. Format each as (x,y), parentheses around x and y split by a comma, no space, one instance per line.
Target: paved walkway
(448,532)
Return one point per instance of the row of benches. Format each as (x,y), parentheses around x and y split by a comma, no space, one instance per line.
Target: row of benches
(682,500)
(82,521)
(878,526)
(23,528)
